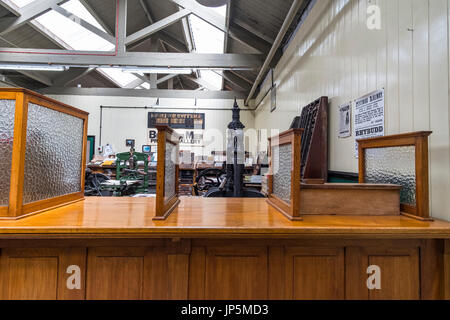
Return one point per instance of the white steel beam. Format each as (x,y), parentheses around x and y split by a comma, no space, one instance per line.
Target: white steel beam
(71,75)
(33,75)
(235,80)
(84,24)
(157,26)
(208,16)
(138,59)
(202,83)
(122,27)
(213,19)
(134,84)
(96,17)
(157,93)
(187,34)
(11,7)
(27,13)
(165,78)
(253,30)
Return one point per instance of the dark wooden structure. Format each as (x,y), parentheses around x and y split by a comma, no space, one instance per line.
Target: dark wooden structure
(314,150)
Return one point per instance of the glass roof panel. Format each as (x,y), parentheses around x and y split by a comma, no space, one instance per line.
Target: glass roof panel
(121,78)
(209,39)
(22,3)
(79,38)
(78,9)
(72,33)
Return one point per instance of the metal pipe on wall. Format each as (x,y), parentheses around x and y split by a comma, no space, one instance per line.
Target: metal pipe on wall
(152,108)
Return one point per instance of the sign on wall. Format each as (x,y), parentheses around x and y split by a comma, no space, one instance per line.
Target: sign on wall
(273,98)
(177,120)
(369,117)
(345,118)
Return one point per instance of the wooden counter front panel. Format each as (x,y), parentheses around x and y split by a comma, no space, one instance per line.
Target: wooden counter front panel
(116,273)
(136,273)
(235,273)
(40,273)
(314,273)
(226,269)
(400,278)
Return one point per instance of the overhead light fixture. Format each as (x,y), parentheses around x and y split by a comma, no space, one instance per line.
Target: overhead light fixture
(158,70)
(32,67)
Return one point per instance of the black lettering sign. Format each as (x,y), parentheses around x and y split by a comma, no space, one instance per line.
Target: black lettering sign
(177,120)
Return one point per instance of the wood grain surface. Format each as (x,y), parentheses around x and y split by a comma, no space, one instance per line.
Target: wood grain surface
(210,217)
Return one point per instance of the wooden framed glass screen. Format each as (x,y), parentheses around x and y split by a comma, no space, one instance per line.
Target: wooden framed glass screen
(284,174)
(42,148)
(167,173)
(399,159)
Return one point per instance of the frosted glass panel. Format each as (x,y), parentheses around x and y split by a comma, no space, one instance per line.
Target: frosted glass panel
(7,111)
(170,171)
(394,165)
(282,167)
(53,156)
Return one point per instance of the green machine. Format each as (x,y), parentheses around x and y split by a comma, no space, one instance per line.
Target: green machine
(129,178)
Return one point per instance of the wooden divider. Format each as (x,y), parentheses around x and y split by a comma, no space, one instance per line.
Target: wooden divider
(295,197)
(290,141)
(419,140)
(16,207)
(166,173)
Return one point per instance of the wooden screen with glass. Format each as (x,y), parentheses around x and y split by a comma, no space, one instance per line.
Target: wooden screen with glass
(284,174)
(166,172)
(42,153)
(399,159)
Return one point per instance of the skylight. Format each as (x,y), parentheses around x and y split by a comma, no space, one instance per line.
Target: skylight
(121,78)
(79,38)
(209,39)
(72,33)
(22,3)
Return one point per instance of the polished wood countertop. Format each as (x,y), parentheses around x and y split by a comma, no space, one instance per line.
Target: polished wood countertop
(208,217)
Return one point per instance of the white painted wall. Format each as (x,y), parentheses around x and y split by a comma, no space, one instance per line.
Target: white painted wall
(121,124)
(335,55)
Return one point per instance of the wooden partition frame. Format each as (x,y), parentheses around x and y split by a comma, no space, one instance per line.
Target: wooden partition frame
(290,210)
(420,141)
(16,209)
(163,206)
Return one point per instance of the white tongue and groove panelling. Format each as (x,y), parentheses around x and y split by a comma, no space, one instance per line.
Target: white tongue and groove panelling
(334,54)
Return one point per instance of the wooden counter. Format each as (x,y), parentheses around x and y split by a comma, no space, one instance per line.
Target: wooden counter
(219,249)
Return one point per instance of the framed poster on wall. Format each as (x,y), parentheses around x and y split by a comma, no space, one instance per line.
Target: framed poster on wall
(345,120)
(273,98)
(369,117)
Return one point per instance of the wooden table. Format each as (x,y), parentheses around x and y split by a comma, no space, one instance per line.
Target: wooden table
(213,248)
